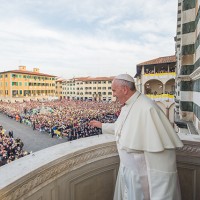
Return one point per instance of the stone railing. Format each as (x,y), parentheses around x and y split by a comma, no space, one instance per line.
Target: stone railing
(188,163)
(161,97)
(85,169)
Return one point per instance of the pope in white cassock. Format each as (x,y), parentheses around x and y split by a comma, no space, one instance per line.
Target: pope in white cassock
(146,144)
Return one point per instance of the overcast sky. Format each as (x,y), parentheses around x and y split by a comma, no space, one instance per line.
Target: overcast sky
(71,38)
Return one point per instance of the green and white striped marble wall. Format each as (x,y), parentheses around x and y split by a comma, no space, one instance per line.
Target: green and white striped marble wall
(188,61)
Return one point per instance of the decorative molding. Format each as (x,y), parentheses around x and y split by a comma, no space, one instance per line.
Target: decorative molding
(196,74)
(53,171)
(191,149)
(183,78)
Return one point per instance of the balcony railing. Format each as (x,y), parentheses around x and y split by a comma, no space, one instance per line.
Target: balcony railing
(161,97)
(84,169)
(169,75)
(166,74)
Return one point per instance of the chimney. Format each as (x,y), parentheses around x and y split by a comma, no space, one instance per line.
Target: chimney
(23,68)
(36,70)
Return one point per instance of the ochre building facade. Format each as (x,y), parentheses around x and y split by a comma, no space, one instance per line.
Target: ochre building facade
(19,85)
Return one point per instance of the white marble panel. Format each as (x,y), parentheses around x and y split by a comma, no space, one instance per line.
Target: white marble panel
(196,98)
(189,15)
(186,95)
(188,38)
(197,53)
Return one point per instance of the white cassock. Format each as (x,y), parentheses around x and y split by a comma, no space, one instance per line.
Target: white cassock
(146,144)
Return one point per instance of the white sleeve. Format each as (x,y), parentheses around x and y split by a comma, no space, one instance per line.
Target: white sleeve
(108,128)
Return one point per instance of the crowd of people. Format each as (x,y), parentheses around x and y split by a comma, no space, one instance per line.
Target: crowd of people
(62,118)
(10,148)
(160,70)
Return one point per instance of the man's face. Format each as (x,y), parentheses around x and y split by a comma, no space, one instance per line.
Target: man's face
(118,91)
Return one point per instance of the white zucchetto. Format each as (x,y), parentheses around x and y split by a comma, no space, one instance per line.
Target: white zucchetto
(125,77)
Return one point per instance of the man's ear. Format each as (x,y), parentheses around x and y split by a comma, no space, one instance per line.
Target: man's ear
(125,89)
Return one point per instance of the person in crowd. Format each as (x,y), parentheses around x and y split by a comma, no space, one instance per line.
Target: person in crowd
(10,133)
(146,144)
(10,148)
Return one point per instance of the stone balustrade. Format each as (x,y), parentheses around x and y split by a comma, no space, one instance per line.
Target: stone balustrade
(81,169)
(84,169)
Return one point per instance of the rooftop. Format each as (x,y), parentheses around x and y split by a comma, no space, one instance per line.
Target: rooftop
(27,72)
(93,78)
(160,60)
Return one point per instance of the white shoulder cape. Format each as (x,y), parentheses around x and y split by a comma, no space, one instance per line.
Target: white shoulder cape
(143,126)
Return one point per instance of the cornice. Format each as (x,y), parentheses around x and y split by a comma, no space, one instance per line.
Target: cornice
(196,74)
(183,78)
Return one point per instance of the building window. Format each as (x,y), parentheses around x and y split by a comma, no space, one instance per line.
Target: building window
(14,93)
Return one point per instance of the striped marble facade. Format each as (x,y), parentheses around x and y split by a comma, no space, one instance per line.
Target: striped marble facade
(188,62)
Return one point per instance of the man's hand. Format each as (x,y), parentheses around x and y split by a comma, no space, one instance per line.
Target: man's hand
(95,123)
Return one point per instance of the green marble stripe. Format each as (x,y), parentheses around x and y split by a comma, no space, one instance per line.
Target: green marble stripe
(196,110)
(190,86)
(186,86)
(197,64)
(186,69)
(197,42)
(197,18)
(189,4)
(188,49)
(189,106)
(186,106)
(196,86)
(189,27)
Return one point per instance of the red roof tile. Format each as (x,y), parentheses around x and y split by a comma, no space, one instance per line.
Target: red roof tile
(94,78)
(27,72)
(160,60)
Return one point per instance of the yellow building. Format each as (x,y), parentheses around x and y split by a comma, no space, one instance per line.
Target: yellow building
(88,88)
(19,85)
(59,88)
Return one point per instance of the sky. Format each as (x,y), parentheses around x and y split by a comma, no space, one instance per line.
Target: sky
(73,38)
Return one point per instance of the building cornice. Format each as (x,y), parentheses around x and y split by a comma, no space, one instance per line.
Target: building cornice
(183,78)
